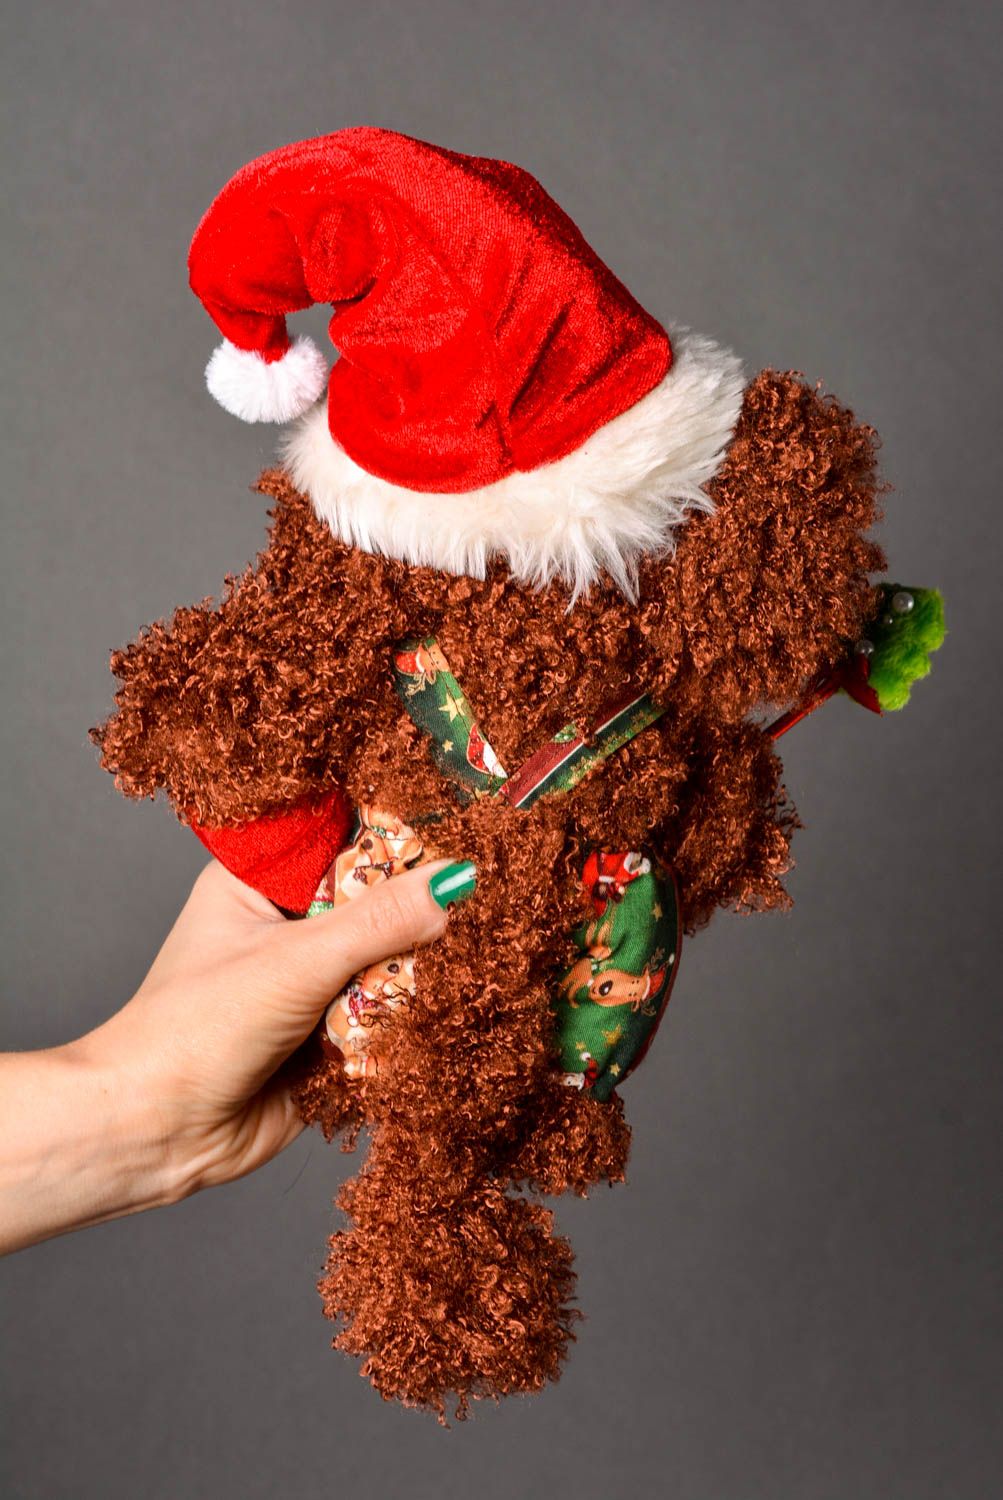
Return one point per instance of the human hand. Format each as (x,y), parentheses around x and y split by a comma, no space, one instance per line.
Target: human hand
(176,1091)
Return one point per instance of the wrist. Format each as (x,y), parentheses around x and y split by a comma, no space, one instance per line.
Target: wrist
(80,1145)
(121,1143)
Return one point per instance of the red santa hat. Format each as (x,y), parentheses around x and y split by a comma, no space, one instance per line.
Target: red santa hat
(499,393)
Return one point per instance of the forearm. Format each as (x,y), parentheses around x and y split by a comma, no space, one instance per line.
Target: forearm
(75,1147)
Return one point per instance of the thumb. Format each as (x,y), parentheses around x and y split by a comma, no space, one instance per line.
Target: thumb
(316,958)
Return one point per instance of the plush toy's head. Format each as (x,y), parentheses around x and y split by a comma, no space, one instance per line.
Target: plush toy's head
(539,572)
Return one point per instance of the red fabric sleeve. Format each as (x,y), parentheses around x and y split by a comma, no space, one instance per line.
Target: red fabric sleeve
(284,856)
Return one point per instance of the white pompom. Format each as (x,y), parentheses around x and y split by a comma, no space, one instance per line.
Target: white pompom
(248,387)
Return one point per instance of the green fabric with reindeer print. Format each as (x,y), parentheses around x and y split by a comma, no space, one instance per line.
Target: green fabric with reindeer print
(611,999)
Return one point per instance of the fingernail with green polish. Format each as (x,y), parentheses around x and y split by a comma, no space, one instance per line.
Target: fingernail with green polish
(453,883)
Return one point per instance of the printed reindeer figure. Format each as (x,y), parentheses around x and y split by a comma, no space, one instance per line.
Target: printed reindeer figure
(515,525)
(617,987)
(606,984)
(583,971)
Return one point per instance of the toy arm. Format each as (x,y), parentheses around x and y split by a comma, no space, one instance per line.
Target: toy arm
(771,588)
(229,707)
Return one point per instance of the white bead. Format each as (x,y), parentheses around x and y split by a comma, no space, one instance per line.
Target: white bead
(864,648)
(902,602)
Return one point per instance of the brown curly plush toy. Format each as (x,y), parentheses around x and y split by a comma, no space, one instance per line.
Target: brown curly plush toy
(538,575)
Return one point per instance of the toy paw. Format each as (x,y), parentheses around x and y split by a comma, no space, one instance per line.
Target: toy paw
(908,628)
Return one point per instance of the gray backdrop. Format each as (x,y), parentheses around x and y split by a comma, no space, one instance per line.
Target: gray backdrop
(796,1297)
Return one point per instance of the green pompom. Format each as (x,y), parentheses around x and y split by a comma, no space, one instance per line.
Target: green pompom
(903,636)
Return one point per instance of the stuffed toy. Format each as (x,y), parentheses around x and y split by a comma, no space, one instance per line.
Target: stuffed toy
(544,584)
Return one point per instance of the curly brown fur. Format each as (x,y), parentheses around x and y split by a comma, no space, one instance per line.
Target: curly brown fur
(469,1295)
(447,1280)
